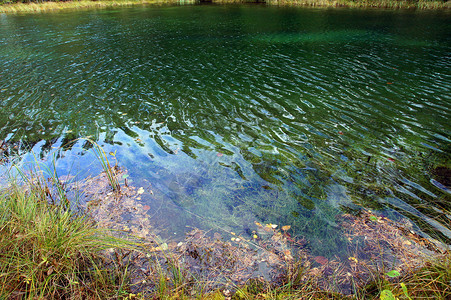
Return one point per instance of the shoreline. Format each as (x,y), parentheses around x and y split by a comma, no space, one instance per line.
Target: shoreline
(33,7)
(385,257)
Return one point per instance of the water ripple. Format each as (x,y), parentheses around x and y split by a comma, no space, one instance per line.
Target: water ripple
(286,112)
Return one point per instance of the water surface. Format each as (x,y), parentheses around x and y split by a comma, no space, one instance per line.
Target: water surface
(237,114)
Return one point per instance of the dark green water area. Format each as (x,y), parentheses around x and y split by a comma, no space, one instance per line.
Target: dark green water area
(232,115)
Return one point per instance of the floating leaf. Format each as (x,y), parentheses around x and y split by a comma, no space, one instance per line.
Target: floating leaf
(373,218)
(255,236)
(286,227)
(393,273)
(258,224)
(140,190)
(340,132)
(146,207)
(219,154)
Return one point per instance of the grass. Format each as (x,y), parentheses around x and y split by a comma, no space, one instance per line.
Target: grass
(110,171)
(48,251)
(7,7)
(393,4)
(65,5)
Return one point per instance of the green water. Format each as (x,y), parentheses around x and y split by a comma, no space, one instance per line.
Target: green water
(237,114)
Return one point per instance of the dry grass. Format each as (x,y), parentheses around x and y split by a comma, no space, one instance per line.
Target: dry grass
(55,6)
(82,4)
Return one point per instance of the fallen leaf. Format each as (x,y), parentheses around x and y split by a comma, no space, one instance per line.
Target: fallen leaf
(273,226)
(321,260)
(146,207)
(315,272)
(286,227)
(393,273)
(219,154)
(50,271)
(387,295)
(164,247)
(353,259)
(340,132)
(258,224)
(140,190)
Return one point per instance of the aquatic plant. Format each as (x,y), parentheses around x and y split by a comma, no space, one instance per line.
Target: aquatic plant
(102,157)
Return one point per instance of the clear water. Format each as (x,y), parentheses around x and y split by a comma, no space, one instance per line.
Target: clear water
(237,114)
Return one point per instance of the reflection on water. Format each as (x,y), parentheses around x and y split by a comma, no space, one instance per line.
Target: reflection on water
(236,114)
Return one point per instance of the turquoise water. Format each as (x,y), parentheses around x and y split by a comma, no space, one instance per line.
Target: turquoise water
(238,114)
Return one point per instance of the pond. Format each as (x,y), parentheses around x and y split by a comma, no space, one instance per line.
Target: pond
(236,114)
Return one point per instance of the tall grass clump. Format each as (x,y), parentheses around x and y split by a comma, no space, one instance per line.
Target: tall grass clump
(110,171)
(48,251)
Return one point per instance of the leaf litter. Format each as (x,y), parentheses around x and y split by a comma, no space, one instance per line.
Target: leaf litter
(208,260)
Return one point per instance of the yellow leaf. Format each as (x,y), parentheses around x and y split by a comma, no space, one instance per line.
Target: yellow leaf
(232,233)
(255,236)
(286,227)
(258,224)
(353,259)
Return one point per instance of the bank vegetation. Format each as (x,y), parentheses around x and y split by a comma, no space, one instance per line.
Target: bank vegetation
(16,6)
(55,246)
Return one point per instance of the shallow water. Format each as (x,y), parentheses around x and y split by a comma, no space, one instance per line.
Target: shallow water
(237,114)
